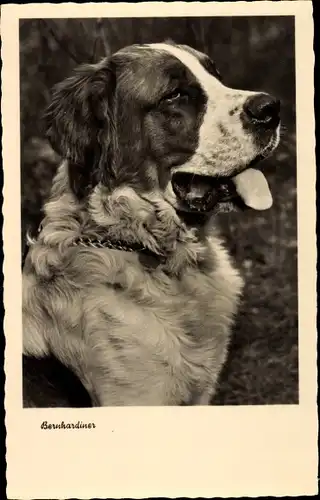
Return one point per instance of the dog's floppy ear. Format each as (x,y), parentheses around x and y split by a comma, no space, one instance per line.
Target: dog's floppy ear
(80,122)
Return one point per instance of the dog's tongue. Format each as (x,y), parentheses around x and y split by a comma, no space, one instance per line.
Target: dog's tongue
(252,187)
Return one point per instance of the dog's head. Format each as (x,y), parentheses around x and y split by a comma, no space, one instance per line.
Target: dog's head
(158,117)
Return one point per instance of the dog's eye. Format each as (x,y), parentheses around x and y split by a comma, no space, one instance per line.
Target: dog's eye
(175,96)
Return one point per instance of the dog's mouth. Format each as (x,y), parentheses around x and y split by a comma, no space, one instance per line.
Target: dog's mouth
(202,193)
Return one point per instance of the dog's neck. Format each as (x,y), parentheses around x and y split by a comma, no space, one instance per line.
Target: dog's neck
(122,215)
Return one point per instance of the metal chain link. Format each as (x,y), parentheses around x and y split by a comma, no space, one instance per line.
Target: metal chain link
(88,242)
(98,244)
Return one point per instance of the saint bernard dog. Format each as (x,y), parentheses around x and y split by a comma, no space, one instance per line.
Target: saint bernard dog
(129,294)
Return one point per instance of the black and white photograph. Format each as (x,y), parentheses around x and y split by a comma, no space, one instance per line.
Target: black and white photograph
(158,182)
(158,215)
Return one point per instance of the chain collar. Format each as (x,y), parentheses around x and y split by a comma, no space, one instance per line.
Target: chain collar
(100,243)
(113,245)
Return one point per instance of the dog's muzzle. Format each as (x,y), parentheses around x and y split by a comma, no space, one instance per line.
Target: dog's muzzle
(249,188)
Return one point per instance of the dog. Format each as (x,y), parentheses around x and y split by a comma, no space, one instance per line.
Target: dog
(129,293)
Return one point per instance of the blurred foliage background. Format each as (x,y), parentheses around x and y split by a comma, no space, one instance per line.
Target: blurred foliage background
(255,53)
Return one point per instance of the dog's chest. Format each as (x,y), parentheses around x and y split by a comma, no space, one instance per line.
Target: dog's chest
(201,314)
(160,338)
(171,332)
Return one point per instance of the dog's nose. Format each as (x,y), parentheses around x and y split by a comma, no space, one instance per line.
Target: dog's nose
(263,109)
